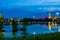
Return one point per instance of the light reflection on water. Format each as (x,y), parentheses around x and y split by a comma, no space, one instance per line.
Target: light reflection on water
(37,28)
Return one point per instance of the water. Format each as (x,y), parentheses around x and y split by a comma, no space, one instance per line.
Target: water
(31,29)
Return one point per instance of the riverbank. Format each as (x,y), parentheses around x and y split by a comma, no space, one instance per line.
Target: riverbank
(52,36)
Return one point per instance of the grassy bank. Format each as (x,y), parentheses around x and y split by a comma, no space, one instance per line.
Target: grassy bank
(52,36)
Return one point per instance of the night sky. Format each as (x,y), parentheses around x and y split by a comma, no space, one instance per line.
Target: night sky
(28,8)
(13,3)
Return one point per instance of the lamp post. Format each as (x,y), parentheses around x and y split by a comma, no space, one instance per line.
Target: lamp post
(34,33)
(57,13)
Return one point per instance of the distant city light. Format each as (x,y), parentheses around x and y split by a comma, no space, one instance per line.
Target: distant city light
(11,18)
(49,15)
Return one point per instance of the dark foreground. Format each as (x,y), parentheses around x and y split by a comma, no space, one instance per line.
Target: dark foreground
(52,36)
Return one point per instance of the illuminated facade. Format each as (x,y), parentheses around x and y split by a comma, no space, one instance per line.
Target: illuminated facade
(49,16)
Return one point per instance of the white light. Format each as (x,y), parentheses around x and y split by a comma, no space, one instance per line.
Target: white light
(34,33)
(57,13)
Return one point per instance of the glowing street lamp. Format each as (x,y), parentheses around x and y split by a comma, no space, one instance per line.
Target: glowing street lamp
(57,13)
(34,33)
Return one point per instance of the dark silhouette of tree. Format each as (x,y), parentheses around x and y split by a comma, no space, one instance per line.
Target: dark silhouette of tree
(1,25)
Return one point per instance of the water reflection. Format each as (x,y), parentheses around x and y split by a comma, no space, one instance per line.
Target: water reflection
(50,24)
(28,28)
(14,28)
(23,29)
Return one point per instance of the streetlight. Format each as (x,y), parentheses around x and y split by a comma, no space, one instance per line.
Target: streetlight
(57,13)
(34,33)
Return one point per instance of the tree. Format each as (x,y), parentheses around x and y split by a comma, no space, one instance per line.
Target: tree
(1,25)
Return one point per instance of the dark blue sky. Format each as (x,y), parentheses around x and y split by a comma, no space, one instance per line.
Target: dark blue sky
(13,3)
(22,3)
(27,8)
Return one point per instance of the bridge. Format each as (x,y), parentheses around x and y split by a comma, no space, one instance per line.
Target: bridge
(31,20)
